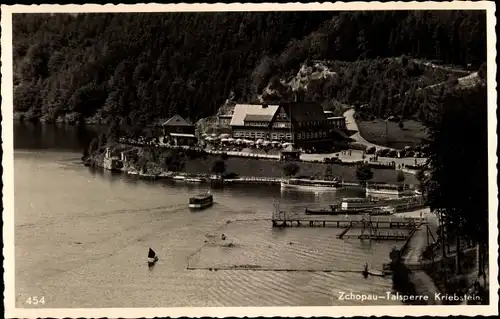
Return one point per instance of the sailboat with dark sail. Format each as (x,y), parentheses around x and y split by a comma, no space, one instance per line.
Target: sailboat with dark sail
(152,258)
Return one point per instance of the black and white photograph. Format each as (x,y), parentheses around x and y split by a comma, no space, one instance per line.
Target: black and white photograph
(214,156)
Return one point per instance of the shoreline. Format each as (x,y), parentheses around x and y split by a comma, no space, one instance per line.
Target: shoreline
(240,167)
(423,282)
(204,178)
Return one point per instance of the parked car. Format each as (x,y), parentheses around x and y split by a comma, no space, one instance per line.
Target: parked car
(392,153)
(371,150)
(382,152)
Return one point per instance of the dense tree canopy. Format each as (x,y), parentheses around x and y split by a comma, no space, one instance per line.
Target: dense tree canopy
(458,184)
(149,65)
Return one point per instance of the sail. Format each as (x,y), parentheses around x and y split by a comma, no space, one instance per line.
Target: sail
(151,253)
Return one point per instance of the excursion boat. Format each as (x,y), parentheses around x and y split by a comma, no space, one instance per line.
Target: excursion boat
(338,210)
(201,201)
(355,205)
(311,184)
(388,190)
(335,210)
(358,203)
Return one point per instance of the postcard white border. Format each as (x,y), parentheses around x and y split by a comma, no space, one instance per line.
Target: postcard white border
(336,311)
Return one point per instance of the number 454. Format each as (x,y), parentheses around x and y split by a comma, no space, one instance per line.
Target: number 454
(35,300)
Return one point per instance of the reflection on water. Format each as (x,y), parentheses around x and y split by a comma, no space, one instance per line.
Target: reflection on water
(55,137)
(82,236)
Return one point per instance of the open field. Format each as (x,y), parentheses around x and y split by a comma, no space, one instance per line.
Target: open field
(273,168)
(374,132)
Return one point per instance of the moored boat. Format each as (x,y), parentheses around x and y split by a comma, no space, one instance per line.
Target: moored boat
(194,180)
(388,190)
(336,210)
(201,201)
(374,272)
(358,203)
(355,205)
(384,210)
(311,184)
(322,211)
(179,178)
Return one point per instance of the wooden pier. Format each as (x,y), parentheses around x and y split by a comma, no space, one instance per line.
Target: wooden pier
(352,221)
(372,227)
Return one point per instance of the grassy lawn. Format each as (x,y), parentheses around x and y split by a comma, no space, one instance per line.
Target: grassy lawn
(374,132)
(272,168)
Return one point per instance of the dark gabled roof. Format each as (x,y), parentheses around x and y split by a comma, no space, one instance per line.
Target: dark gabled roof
(258,117)
(177,120)
(304,111)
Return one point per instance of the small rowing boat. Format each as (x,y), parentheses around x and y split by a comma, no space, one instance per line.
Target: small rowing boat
(374,272)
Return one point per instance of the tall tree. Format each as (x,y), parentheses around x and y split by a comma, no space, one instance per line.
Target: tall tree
(364,173)
(458,184)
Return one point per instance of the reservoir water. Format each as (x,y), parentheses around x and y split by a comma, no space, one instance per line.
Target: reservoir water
(82,237)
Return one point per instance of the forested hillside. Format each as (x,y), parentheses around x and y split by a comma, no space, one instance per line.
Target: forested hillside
(143,67)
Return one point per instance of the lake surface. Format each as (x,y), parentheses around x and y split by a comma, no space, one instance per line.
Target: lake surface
(82,237)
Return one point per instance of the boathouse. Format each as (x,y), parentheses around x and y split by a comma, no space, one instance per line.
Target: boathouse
(113,160)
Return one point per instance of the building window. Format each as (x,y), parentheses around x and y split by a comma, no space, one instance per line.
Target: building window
(274,136)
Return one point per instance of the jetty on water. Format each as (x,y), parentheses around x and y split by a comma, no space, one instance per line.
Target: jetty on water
(372,227)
